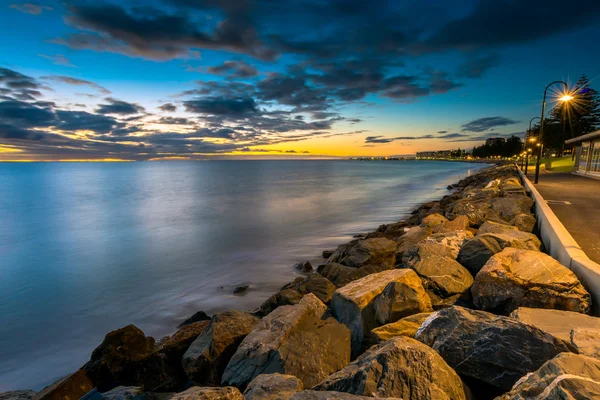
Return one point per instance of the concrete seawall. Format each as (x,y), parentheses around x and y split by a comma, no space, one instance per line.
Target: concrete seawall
(560,244)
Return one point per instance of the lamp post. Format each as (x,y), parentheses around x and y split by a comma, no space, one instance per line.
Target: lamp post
(526,140)
(541,136)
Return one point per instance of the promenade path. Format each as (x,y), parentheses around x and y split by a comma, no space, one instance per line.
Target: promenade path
(576,202)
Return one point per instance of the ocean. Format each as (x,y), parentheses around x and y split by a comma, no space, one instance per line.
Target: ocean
(86,248)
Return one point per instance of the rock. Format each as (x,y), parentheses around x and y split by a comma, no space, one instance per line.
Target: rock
(478,211)
(115,361)
(402,298)
(476,252)
(240,289)
(459,223)
(341,275)
(555,322)
(524,222)
(283,298)
(489,348)
(433,222)
(452,240)
(587,341)
(401,367)
(315,284)
(273,387)
(566,376)
(413,236)
(355,304)
(495,227)
(523,278)
(206,358)
(304,266)
(209,393)
(442,276)
(375,251)
(509,207)
(406,326)
(125,393)
(199,316)
(300,340)
(315,395)
(17,395)
(162,371)
(512,186)
(328,253)
(73,386)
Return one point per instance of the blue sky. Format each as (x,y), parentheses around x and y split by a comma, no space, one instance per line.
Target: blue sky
(85,80)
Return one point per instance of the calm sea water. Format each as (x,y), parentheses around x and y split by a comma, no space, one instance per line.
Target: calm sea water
(88,248)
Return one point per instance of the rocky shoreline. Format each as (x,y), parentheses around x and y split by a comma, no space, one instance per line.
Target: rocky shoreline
(458,301)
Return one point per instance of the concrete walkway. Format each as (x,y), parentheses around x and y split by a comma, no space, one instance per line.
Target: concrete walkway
(576,202)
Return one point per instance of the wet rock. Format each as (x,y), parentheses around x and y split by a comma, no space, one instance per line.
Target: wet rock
(197,317)
(375,251)
(282,298)
(209,393)
(206,358)
(402,298)
(73,386)
(524,222)
(401,367)
(406,326)
(304,266)
(566,376)
(282,341)
(555,322)
(316,395)
(476,252)
(453,241)
(509,207)
(240,289)
(315,284)
(492,349)
(341,275)
(17,395)
(355,304)
(273,387)
(523,278)
(328,253)
(116,360)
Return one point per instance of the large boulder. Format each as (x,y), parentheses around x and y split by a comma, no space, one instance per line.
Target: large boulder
(524,222)
(273,387)
(475,252)
(374,251)
(282,298)
(459,223)
(73,386)
(566,376)
(315,284)
(509,207)
(413,236)
(115,361)
(433,222)
(524,278)
(206,358)
(406,326)
(401,367)
(489,348)
(587,341)
(452,240)
(556,322)
(355,304)
(402,298)
(300,340)
(316,395)
(495,227)
(341,275)
(478,211)
(209,393)
(442,276)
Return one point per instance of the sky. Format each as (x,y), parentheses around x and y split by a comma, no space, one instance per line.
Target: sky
(202,79)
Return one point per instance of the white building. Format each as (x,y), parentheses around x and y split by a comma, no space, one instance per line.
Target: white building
(587,154)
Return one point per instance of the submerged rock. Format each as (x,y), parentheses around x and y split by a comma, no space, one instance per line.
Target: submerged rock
(298,340)
(492,349)
(273,387)
(240,289)
(197,317)
(524,278)
(304,266)
(206,358)
(566,376)
(401,367)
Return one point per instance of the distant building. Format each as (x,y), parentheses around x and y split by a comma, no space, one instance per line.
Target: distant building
(587,154)
(495,141)
(434,154)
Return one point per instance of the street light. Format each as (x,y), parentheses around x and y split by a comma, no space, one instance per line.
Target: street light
(567,97)
(532,140)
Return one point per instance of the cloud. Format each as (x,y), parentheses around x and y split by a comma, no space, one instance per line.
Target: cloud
(77,82)
(234,69)
(222,106)
(30,8)
(115,106)
(168,107)
(58,59)
(484,124)
(474,68)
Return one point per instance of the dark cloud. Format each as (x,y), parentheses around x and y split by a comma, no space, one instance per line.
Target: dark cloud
(119,107)
(81,120)
(175,121)
(58,59)
(477,67)
(235,69)
(231,107)
(484,124)
(30,8)
(168,107)
(77,82)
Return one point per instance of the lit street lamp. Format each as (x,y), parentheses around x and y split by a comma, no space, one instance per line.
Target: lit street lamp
(532,140)
(566,97)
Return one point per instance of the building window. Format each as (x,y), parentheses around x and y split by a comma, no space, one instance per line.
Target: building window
(585,148)
(595,158)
